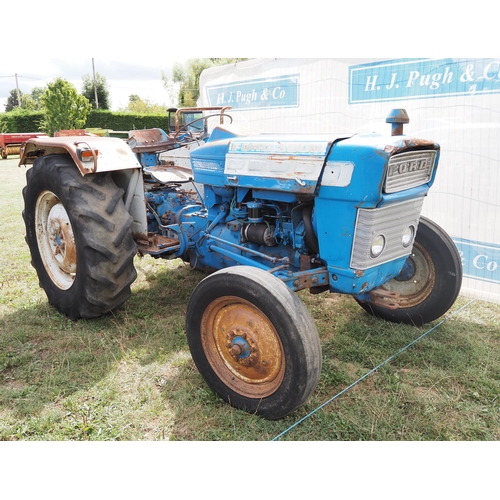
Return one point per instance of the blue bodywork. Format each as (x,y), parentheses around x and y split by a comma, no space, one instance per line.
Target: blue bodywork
(305,208)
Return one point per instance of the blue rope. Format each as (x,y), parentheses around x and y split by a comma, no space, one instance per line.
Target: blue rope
(371,371)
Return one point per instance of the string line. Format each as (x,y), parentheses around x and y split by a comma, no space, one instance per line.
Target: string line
(371,371)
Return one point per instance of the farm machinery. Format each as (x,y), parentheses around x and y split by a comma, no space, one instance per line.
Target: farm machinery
(270,214)
(11,144)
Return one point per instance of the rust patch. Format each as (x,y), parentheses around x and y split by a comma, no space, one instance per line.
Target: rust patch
(155,243)
(150,141)
(410,143)
(305,263)
(72,133)
(384,298)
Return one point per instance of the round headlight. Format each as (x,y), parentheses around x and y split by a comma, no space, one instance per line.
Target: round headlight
(378,245)
(408,235)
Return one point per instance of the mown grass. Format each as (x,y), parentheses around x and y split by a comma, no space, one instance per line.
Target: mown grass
(129,375)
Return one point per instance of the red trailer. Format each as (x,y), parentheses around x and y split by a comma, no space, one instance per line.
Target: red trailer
(10,144)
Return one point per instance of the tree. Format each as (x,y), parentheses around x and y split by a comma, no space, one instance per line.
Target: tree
(13,101)
(101,86)
(32,102)
(133,98)
(143,106)
(187,75)
(64,107)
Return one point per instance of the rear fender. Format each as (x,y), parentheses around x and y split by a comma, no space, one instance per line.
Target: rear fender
(104,154)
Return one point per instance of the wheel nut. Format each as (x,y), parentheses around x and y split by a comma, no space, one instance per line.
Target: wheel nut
(235,350)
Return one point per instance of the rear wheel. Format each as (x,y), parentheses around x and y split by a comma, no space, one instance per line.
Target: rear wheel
(429,282)
(79,235)
(253,341)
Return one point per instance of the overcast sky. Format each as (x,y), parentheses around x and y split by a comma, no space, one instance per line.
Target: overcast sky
(125,74)
(132,43)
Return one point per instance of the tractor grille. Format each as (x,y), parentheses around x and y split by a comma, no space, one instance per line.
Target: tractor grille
(407,170)
(391,222)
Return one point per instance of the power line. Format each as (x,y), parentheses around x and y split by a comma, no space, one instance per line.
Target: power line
(20,76)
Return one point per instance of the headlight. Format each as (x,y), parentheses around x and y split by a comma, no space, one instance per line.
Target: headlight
(378,245)
(408,235)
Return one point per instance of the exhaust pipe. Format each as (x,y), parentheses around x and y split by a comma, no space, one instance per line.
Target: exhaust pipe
(397,117)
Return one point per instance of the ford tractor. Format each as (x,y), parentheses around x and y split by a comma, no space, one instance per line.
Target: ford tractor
(268,214)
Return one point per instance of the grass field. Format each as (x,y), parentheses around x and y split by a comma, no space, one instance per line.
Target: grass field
(129,375)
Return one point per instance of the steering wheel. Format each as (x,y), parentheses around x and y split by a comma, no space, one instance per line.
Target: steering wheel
(188,133)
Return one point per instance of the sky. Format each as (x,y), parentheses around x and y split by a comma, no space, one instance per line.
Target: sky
(125,74)
(133,43)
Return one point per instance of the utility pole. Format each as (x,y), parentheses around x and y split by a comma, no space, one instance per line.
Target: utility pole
(19,103)
(95,86)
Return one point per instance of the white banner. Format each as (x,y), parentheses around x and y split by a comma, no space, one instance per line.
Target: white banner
(455,102)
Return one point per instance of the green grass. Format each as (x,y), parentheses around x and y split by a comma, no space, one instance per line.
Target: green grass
(129,375)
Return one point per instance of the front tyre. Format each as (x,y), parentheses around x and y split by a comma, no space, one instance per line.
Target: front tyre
(429,282)
(253,341)
(80,238)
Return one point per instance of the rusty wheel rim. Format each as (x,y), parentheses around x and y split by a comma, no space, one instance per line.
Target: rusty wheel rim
(420,284)
(55,239)
(243,347)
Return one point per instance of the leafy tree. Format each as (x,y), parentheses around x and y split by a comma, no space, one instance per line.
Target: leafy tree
(133,98)
(143,106)
(64,107)
(32,102)
(13,101)
(101,86)
(187,76)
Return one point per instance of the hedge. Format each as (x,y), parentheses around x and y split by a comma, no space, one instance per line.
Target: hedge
(125,121)
(20,121)
(29,121)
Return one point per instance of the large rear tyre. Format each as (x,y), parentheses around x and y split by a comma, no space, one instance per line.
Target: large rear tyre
(253,341)
(429,282)
(80,238)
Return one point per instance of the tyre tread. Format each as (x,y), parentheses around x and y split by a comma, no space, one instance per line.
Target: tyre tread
(104,237)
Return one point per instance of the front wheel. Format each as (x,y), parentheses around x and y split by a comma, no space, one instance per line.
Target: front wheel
(253,341)
(429,282)
(80,237)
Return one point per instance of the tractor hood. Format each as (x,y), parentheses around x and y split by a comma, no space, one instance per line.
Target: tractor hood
(291,162)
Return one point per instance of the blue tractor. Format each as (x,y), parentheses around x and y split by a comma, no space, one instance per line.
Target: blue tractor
(271,214)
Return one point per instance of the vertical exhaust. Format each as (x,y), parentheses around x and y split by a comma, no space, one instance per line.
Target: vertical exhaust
(397,117)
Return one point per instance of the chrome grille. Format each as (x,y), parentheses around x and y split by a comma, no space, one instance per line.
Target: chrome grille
(390,221)
(407,170)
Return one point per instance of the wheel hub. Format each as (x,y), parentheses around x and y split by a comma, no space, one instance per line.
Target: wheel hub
(61,237)
(408,271)
(416,280)
(55,239)
(243,347)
